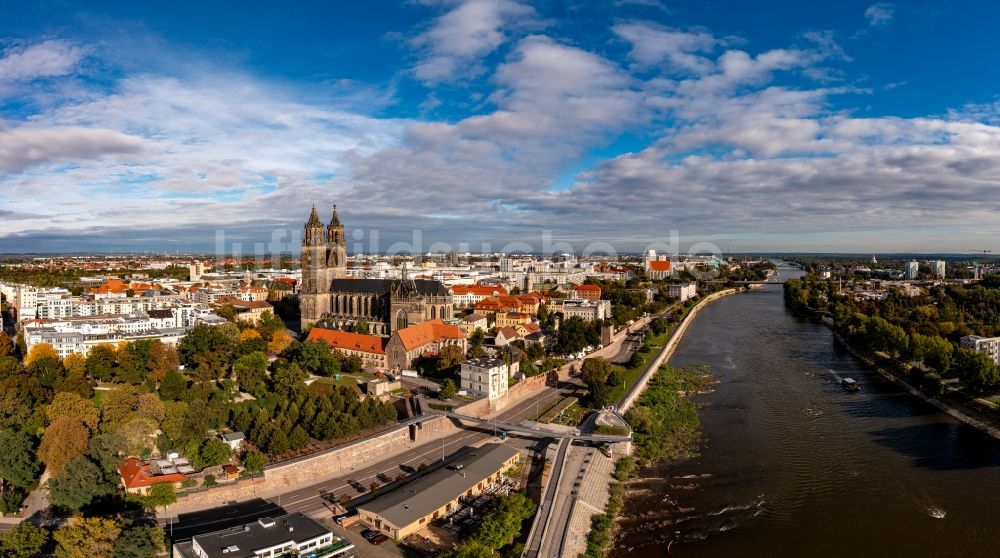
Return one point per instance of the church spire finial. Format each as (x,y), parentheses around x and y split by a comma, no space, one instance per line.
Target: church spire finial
(335,220)
(314,219)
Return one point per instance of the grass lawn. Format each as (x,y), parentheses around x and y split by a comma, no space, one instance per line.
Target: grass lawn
(343,381)
(631,374)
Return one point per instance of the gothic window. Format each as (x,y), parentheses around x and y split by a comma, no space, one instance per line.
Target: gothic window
(433,312)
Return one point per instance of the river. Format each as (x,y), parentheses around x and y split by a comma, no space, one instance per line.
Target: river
(792,465)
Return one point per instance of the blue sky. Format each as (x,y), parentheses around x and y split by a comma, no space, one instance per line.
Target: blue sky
(843,126)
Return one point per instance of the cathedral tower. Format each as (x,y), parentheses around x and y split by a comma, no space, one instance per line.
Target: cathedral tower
(313,297)
(336,253)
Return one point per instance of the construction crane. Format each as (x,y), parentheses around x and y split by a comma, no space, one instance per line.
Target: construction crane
(986,260)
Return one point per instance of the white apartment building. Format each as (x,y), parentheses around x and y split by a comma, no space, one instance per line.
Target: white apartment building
(80,334)
(912,269)
(586,309)
(683,291)
(939,268)
(485,377)
(988,345)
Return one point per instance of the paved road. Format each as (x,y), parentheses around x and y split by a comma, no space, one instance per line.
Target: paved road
(307,499)
(540,532)
(564,498)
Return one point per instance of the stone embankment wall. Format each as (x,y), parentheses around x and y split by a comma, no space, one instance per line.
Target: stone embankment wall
(332,463)
(640,386)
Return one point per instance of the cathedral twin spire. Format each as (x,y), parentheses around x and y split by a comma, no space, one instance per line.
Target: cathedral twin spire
(314,229)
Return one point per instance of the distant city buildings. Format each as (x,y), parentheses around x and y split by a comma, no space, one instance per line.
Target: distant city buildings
(588,310)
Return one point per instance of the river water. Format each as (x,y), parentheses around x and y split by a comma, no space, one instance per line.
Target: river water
(792,465)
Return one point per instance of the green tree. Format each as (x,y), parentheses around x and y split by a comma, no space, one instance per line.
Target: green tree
(160,495)
(139,541)
(251,372)
(214,452)
(316,357)
(448,389)
(101,362)
(76,485)
(450,357)
(173,385)
(18,465)
(24,541)
(352,365)
(976,369)
(87,537)
(362,326)
(254,462)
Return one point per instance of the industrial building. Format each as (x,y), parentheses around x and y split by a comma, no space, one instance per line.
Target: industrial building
(413,506)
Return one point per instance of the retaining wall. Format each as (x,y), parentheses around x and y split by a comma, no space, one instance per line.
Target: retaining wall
(668,349)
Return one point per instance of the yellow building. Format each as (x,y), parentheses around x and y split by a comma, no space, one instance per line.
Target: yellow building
(409,509)
(512,319)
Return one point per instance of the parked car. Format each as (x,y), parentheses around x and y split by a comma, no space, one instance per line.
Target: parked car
(380,539)
(370,534)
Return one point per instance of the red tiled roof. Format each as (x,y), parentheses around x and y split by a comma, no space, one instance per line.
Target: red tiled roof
(137,474)
(347,340)
(478,290)
(659,265)
(428,332)
(588,287)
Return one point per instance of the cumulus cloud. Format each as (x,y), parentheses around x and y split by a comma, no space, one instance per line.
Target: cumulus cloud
(46,59)
(467,32)
(879,14)
(652,44)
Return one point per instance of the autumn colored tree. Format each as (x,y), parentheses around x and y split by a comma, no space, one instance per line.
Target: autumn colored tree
(6,345)
(63,440)
(279,341)
(162,359)
(127,402)
(138,434)
(75,364)
(41,350)
(87,537)
(72,405)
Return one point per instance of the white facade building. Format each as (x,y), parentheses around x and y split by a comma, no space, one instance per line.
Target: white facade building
(485,377)
(588,310)
(988,345)
(683,291)
(912,269)
(939,268)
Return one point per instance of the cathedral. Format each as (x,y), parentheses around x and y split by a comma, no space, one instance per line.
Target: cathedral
(327,295)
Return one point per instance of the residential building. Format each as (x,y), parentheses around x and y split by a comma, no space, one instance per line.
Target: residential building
(912,269)
(938,268)
(590,292)
(403,512)
(80,334)
(485,377)
(509,319)
(683,291)
(468,295)
(588,310)
(138,476)
(988,345)
(294,534)
(507,334)
(249,311)
(369,348)
(471,322)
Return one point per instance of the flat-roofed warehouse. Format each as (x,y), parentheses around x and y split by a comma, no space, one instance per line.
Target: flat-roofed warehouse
(291,534)
(409,509)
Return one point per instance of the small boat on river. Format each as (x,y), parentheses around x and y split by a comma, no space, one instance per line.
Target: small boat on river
(849,384)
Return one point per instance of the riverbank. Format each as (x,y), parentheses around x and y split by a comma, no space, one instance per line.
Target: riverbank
(603,526)
(961,415)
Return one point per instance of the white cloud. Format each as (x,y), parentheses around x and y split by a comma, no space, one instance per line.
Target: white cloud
(467,32)
(652,44)
(879,14)
(48,59)
(26,147)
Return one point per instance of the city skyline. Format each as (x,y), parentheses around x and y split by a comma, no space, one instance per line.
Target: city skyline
(758,129)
